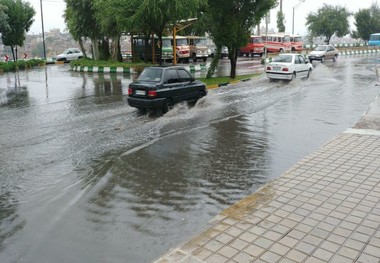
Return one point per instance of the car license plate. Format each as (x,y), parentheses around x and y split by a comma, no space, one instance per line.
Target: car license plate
(277,68)
(140,92)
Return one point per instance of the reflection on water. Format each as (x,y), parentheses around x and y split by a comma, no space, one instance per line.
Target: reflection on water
(14,95)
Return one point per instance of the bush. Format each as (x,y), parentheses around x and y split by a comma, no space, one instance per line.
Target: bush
(20,64)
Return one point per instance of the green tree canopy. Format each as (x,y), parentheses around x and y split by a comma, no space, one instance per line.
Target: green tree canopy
(230,22)
(20,18)
(367,21)
(328,21)
(3,19)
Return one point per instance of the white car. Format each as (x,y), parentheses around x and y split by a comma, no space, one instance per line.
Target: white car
(288,66)
(70,54)
(323,52)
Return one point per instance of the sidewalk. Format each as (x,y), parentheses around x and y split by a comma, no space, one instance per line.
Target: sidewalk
(326,208)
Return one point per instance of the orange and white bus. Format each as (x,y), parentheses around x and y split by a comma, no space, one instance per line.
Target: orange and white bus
(255,46)
(297,43)
(279,42)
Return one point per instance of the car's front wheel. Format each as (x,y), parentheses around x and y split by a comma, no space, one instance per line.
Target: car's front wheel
(335,58)
(323,59)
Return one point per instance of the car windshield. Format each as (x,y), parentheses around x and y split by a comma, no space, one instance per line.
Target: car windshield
(181,42)
(151,74)
(283,59)
(257,40)
(321,48)
(166,43)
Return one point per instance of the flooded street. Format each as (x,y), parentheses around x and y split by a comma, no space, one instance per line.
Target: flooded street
(85,178)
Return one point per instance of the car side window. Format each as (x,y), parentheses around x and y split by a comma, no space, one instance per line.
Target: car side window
(171,76)
(302,60)
(297,60)
(184,75)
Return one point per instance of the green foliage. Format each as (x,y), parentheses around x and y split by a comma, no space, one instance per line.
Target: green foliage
(20,64)
(367,21)
(328,21)
(4,25)
(280,21)
(230,22)
(20,18)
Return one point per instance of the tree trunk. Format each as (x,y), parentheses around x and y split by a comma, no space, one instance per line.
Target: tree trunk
(95,48)
(13,53)
(80,41)
(115,49)
(233,60)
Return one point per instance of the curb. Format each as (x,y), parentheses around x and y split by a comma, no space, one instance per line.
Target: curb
(191,68)
(215,86)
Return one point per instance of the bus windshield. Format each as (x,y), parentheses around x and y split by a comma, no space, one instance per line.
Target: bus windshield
(200,42)
(166,43)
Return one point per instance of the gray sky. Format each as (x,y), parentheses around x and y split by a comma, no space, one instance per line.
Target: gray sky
(53,11)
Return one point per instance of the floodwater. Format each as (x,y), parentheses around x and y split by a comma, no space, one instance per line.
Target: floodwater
(85,178)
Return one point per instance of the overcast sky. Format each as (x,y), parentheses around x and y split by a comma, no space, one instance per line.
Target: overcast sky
(53,11)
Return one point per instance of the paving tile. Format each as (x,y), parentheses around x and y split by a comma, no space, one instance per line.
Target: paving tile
(270,257)
(305,247)
(216,258)
(228,251)
(341,259)
(330,246)
(263,242)
(349,253)
(322,254)
(253,250)
(243,257)
(296,255)
(372,251)
(365,258)
(239,244)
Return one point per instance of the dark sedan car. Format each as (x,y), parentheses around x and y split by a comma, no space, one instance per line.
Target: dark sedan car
(159,88)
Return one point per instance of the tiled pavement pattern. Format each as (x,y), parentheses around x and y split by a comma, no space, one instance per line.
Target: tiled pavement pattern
(324,209)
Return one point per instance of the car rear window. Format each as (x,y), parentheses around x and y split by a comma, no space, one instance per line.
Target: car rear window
(283,58)
(151,74)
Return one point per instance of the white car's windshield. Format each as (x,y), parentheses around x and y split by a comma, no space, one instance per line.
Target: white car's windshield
(283,59)
(151,74)
(321,48)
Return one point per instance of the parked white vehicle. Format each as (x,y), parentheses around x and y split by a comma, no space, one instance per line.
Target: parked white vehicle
(70,54)
(288,67)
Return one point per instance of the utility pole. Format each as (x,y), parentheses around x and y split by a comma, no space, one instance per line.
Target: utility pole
(43,31)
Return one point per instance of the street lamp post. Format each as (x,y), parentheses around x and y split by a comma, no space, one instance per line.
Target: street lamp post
(294,7)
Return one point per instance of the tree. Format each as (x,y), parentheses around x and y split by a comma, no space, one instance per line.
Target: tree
(367,21)
(328,21)
(280,21)
(20,16)
(230,22)
(4,25)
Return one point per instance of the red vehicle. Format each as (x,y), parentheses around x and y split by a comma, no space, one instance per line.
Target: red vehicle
(254,47)
(279,42)
(296,41)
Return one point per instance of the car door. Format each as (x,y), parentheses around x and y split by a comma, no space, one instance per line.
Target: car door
(173,87)
(298,66)
(330,52)
(304,66)
(189,89)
